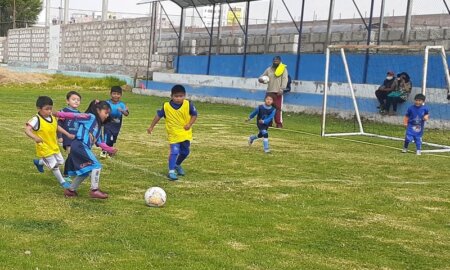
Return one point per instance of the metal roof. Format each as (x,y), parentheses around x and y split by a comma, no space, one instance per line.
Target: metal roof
(196,3)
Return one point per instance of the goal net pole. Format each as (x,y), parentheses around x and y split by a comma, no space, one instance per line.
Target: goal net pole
(341,48)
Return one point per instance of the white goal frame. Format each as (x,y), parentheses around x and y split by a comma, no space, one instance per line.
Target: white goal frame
(342,48)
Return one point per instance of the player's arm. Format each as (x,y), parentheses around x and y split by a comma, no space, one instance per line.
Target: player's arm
(153,124)
(73,116)
(253,114)
(191,122)
(426,117)
(269,118)
(29,133)
(405,121)
(64,132)
(124,111)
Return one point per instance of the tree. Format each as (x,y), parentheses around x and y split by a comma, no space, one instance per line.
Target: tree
(27,13)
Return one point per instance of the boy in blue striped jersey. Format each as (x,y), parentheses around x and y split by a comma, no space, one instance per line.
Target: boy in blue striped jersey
(264,116)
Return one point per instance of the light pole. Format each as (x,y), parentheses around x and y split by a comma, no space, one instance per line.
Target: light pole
(14,14)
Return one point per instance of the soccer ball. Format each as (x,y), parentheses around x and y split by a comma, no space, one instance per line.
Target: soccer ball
(264,79)
(155,197)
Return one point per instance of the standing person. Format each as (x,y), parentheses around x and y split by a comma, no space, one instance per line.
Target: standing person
(81,161)
(180,115)
(264,116)
(118,109)
(414,122)
(73,100)
(43,129)
(278,81)
(400,94)
(389,85)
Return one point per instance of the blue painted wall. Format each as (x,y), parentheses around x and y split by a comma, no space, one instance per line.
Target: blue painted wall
(313,101)
(312,67)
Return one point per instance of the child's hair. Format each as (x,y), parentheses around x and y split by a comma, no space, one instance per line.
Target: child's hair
(178,89)
(273,99)
(43,101)
(420,97)
(96,105)
(71,93)
(116,89)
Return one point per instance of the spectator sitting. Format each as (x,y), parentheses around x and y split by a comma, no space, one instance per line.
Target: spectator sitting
(400,95)
(389,85)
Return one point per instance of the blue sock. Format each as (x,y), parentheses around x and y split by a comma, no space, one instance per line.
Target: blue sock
(172,161)
(180,159)
(253,137)
(266,144)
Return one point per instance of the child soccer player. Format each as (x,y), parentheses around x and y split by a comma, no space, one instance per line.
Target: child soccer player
(414,122)
(264,116)
(118,108)
(73,100)
(180,115)
(43,129)
(81,161)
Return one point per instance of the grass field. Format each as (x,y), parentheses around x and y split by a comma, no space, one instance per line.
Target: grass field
(314,203)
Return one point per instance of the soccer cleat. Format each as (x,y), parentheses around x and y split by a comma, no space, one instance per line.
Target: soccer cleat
(279,125)
(39,167)
(404,150)
(250,140)
(418,152)
(65,185)
(267,151)
(98,194)
(70,193)
(103,154)
(179,170)
(172,176)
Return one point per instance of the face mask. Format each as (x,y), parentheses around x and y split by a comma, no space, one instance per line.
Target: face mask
(389,78)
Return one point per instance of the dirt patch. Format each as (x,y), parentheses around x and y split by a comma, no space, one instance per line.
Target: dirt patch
(11,77)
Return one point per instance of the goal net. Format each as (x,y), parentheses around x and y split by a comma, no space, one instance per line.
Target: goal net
(368,90)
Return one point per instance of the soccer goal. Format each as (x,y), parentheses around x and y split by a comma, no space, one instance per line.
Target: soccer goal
(354,72)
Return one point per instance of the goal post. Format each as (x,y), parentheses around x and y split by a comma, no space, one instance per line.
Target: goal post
(347,86)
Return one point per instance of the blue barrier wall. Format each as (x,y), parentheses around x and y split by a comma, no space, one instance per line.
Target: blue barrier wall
(312,67)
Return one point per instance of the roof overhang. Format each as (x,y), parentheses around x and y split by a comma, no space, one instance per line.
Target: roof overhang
(195,3)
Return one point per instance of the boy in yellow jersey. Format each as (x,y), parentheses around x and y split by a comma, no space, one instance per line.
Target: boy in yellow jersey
(180,115)
(43,128)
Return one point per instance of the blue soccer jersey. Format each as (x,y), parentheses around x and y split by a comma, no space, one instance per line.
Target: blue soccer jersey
(115,114)
(89,131)
(69,125)
(416,120)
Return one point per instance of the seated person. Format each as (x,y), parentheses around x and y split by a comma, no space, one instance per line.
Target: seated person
(389,85)
(400,94)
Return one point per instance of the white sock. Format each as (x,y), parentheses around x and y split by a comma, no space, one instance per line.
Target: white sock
(77,182)
(95,178)
(41,162)
(58,175)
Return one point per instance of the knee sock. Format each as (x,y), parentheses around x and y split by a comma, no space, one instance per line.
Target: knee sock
(77,181)
(253,137)
(57,173)
(266,144)
(95,178)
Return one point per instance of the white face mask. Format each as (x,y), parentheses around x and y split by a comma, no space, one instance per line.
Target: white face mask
(389,78)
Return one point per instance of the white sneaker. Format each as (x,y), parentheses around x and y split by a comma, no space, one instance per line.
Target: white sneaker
(103,154)
(418,152)
(404,150)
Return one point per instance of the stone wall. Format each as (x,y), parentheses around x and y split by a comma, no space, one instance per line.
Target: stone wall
(121,46)
(3,49)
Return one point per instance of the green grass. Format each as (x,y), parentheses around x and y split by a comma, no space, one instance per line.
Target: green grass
(314,203)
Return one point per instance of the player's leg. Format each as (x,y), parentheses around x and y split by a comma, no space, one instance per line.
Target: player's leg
(278,102)
(72,191)
(408,139)
(265,140)
(173,155)
(53,162)
(39,163)
(95,180)
(184,153)
(418,141)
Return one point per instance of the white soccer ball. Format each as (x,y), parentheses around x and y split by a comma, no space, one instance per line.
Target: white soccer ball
(155,197)
(264,79)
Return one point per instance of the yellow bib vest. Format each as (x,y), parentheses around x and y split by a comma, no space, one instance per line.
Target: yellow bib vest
(47,132)
(175,122)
